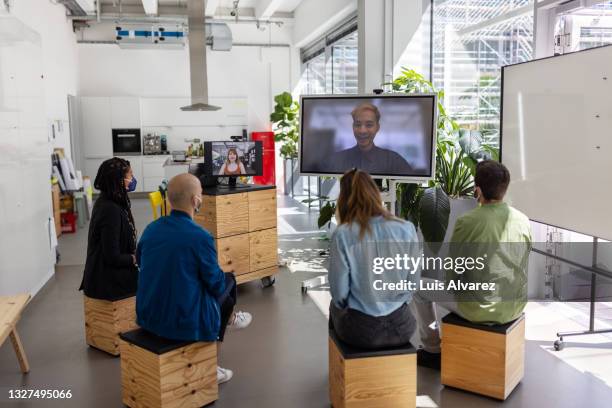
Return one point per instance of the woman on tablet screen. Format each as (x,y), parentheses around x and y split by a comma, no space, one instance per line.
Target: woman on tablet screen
(232,166)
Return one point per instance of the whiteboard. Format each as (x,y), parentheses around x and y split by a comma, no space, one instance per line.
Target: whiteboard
(556,140)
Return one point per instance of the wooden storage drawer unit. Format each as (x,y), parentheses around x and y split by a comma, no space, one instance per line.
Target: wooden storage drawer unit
(263,253)
(262,210)
(224,215)
(233,254)
(243,224)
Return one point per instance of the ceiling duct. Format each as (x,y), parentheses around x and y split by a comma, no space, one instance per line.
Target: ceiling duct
(79,7)
(219,36)
(138,36)
(197,58)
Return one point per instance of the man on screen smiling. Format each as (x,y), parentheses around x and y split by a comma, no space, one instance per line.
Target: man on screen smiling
(365,155)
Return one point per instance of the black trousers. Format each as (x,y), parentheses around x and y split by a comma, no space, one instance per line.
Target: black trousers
(226,302)
(372,332)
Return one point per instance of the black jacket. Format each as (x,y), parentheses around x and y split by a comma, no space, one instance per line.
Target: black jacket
(110,272)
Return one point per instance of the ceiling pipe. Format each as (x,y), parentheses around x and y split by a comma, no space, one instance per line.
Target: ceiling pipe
(197,58)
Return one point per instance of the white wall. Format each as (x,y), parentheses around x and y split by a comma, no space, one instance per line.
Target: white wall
(257,73)
(411,36)
(59,57)
(26,256)
(315,17)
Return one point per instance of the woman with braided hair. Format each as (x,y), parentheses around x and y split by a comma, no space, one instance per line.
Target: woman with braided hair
(111,272)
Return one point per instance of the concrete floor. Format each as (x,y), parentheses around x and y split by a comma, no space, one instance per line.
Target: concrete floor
(279,361)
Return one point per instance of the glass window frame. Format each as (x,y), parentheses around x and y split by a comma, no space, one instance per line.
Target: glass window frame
(325,46)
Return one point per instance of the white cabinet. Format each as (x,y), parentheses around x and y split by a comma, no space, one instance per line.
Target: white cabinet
(175,169)
(99,115)
(97,139)
(125,112)
(136,165)
(148,170)
(153,171)
(167,112)
(91,169)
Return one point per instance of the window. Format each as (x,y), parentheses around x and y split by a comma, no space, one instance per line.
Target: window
(344,65)
(472,40)
(584,28)
(330,64)
(314,75)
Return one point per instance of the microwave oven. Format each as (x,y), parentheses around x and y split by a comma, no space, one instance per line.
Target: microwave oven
(126,141)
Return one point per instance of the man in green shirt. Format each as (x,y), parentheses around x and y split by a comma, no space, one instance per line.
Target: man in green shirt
(500,234)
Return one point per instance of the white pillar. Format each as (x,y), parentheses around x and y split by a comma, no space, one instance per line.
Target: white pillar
(371,32)
(543,31)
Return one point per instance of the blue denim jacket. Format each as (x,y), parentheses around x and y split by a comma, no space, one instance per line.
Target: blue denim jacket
(179,280)
(352,279)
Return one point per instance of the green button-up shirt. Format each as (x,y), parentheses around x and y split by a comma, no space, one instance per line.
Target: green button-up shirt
(504,235)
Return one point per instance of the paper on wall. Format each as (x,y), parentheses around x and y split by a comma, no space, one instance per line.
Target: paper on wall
(56,173)
(52,233)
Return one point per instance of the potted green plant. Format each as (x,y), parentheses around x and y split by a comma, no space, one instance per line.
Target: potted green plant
(457,153)
(285,122)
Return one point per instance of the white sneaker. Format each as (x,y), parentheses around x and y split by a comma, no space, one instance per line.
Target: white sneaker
(224,375)
(241,320)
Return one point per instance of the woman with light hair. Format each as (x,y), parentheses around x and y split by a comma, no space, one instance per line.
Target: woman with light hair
(359,314)
(232,166)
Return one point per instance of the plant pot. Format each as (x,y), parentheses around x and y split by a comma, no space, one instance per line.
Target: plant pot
(459,206)
(291,177)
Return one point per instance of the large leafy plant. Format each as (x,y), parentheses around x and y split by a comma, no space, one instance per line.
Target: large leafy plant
(285,122)
(457,153)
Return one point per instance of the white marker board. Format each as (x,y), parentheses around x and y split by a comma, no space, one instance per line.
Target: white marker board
(557,140)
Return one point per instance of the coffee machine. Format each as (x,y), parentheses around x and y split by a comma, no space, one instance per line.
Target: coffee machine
(152,144)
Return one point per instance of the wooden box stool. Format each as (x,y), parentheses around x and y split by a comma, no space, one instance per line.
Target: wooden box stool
(370,379)
(487,360)
(105,319)
(159,373)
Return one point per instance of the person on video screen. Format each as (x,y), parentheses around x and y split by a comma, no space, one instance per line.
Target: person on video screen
(233,165)
(365,155)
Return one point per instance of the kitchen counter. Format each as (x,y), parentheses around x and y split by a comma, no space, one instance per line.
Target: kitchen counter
(173,168)
(170,162)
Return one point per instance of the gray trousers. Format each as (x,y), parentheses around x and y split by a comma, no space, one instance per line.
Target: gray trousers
(372,332)
(428,320)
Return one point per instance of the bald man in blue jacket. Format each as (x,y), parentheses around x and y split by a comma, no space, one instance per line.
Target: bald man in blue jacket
(182,292)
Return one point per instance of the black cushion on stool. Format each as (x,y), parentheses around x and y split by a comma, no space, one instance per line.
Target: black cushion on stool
(349,351)
(118,298)
(152,342)
(452,318)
